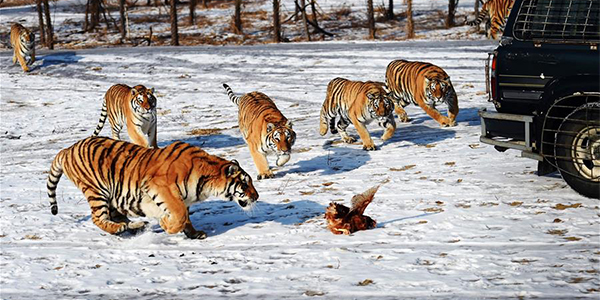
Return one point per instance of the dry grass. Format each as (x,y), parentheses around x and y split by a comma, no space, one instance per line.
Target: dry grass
(11,3)
(204,131)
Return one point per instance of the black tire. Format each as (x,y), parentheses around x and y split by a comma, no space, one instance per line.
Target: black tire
(577,150)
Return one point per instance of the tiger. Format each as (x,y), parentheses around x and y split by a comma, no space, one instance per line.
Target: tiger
(422,84)
(497,11)
(134,106)
(22,41)
(264,128)
(120,180)
(360,103)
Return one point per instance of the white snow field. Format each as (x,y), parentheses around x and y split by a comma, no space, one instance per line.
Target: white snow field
(456,219)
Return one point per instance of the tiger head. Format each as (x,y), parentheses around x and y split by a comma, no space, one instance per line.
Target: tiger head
(237,185)
(280,139)
(379,103)
(437,87)
(27,39)
(143,100)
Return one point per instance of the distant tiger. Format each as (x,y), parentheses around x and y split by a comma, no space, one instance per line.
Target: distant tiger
(264,128)
(360,103)
(497,11)
(23,42)
(423,84)
(121,179)
(134,106)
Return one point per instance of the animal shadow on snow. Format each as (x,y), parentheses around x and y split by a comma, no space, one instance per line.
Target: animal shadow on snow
(209,141)
(59,58)
(339,158)
(465,115)
(217,216)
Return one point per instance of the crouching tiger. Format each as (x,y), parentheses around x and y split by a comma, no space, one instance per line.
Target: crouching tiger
(423,84)
(121,180)
(264,129)
(360,103)
(133,106)
(23,42)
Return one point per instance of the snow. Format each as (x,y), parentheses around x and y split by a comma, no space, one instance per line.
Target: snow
(456,219)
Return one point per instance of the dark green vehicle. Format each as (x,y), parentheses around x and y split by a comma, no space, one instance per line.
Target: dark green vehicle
(544,80)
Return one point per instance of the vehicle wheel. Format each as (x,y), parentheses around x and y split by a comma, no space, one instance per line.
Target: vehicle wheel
(577,150)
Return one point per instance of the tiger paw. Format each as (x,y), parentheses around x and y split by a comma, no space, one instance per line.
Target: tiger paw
(403,118)
(448,123)
(194,234)
(135,225)
(348,139)
(369,147)
(266,175)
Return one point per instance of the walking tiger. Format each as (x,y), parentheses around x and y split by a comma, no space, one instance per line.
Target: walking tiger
(422,84)
(22,41)
(264,128)
(360,103)
(121,179)
(134,106)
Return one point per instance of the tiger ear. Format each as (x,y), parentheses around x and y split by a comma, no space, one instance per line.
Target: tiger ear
(270,127)
(232,169)
(289,124)
(371,96)
(151,91)
(133,92)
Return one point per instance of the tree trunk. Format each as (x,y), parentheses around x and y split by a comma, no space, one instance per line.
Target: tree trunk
(94,12)
(49,31)
(276,22)
(371,19)
(314,16)
(304,18)
(410,26)
(237,18)
(174,31)
(122,16)
(38,4)
(192,12)
(390,11)
(451,12)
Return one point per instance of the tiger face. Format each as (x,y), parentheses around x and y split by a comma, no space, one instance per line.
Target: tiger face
(436,90)
(143,100)
(280,140)
(238,186)
(27,39)
(379,103)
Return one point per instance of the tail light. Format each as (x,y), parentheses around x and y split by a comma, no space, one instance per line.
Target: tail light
(490,78)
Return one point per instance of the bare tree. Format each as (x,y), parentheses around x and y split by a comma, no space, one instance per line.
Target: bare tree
(276,22)
(410,26)
(38,4)
(304,18)
(49,31)
(371,19)
(174,31)
(389,14)
(122,16)
(237,18)
(192,12)
(451,12)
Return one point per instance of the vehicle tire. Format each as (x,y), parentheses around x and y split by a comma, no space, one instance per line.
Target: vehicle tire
(577,150)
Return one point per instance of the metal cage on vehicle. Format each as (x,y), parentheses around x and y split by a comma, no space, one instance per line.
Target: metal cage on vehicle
(558,20)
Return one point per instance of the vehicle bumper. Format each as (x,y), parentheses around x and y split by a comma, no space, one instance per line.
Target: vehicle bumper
(509,131)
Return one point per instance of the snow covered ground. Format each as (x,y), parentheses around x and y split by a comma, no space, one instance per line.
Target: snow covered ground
(457,219)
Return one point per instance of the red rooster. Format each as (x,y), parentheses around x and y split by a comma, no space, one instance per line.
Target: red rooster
(341,219)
